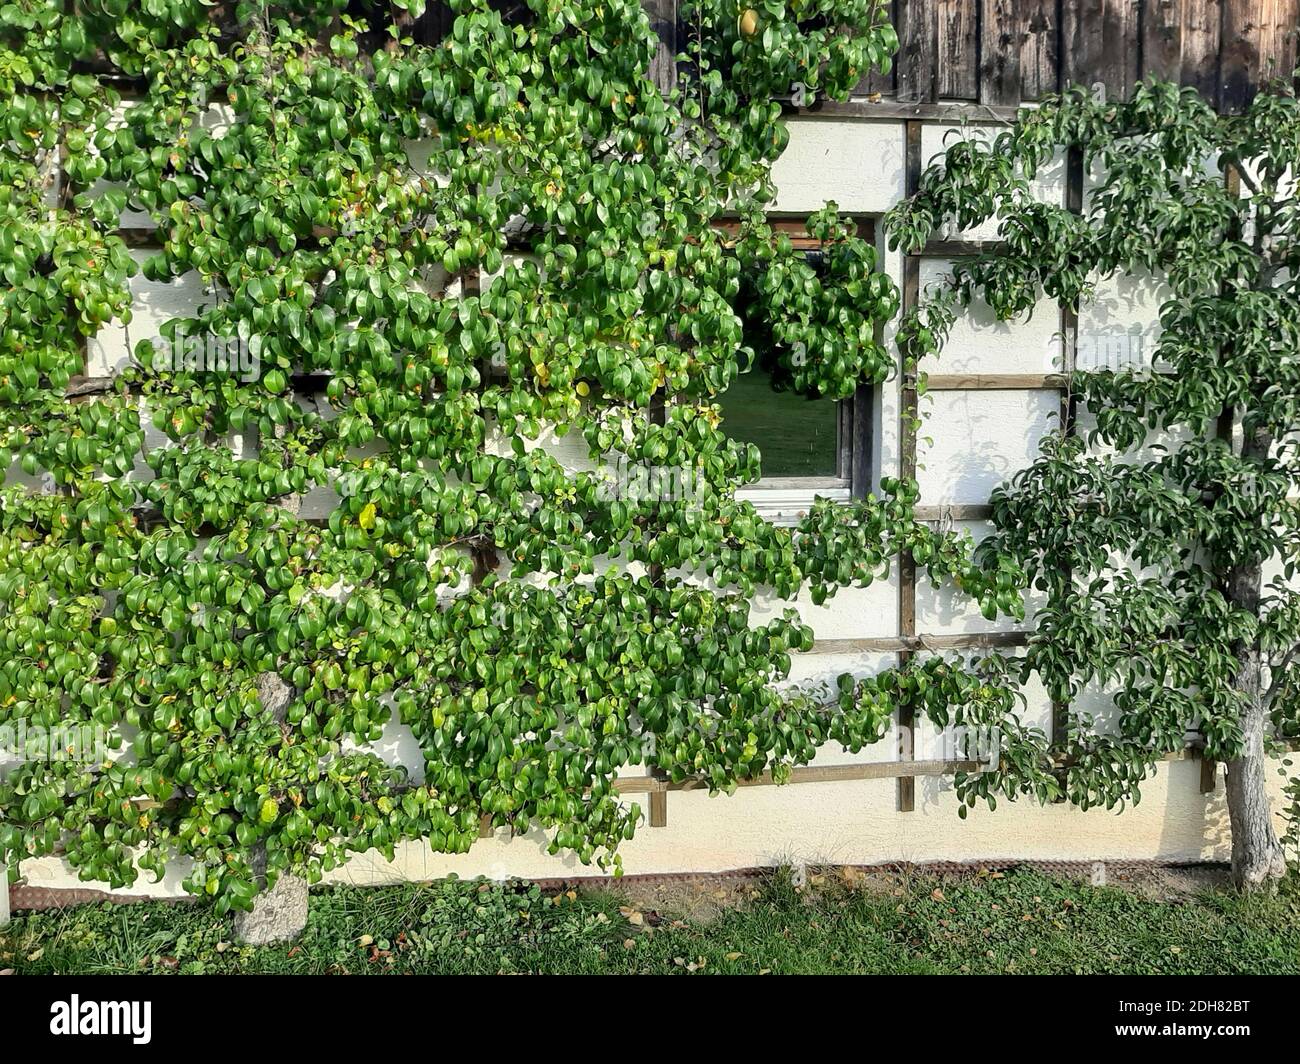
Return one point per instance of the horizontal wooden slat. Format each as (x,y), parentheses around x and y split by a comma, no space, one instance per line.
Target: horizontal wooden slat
(880,770)
(954,512)
(895,110)
(138,237)
(913,643)
(1004,382)
(959,249)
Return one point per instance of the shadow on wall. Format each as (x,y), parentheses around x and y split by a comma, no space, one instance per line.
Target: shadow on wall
(1207,813)
(972,442)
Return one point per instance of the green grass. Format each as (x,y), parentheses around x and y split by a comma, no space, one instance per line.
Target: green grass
(1020,922)
(797,437)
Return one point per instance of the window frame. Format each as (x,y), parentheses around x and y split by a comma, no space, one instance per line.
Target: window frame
(783,500)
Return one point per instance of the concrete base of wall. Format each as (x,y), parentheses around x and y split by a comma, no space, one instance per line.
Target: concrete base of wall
(853,823)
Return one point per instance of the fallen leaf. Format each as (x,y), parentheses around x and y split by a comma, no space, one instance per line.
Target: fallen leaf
(937,895)
(733,956)
(365,940)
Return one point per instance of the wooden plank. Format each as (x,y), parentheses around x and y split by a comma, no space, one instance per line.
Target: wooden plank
(1209,775)
(880,770)
(996,382)
(951,111)
(1019,46)
(1162,38)
(4,888)
(920,643)
(658,809)
(916,50)
(1238,55)
(958,249)
(1257,44)
(862,412)
(909,407)
(1100,44)
(1040,49)
(1001,22)
(977,511)
(1202,24)
(1069,321)
(663,20)
(1279,39)
(956,49)
(797,230)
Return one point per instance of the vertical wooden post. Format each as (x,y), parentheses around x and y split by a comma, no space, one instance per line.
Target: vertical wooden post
(1209,774)
(1226,429)
(908,411)
(1069,363)
(659,809)
(658,415)
(663,72)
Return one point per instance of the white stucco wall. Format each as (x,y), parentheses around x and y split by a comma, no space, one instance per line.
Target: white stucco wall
(971,441)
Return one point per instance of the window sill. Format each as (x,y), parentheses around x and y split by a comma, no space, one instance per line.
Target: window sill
(783,501)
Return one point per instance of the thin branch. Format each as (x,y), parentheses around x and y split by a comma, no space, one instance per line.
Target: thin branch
(1279,675)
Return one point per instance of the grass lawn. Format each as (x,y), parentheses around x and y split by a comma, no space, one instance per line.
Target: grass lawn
(836,922)
(796,436)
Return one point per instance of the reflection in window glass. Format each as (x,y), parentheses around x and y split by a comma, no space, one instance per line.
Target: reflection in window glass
(796,436)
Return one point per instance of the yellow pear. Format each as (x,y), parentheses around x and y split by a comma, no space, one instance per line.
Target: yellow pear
(749,22)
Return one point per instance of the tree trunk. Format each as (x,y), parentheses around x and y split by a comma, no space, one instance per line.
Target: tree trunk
(1257,857)
(278,914)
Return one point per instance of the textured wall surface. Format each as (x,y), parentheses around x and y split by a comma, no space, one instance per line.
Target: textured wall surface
(971,441)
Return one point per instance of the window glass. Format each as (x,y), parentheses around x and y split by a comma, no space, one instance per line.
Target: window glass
(796,436)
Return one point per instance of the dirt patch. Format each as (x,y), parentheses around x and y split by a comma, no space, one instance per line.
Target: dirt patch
(703,899)
(1172,882)
(700,900)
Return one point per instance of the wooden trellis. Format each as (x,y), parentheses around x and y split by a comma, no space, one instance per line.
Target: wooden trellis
(963,60)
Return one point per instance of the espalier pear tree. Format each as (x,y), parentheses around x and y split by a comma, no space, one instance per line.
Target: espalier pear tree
(1163,535)
(460,247)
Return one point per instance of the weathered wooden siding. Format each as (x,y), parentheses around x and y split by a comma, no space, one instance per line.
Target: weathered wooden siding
(1002,52)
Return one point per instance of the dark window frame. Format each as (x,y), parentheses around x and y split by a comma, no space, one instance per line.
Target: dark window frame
(783,498)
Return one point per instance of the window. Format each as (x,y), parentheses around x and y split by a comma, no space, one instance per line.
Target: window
(810,447)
